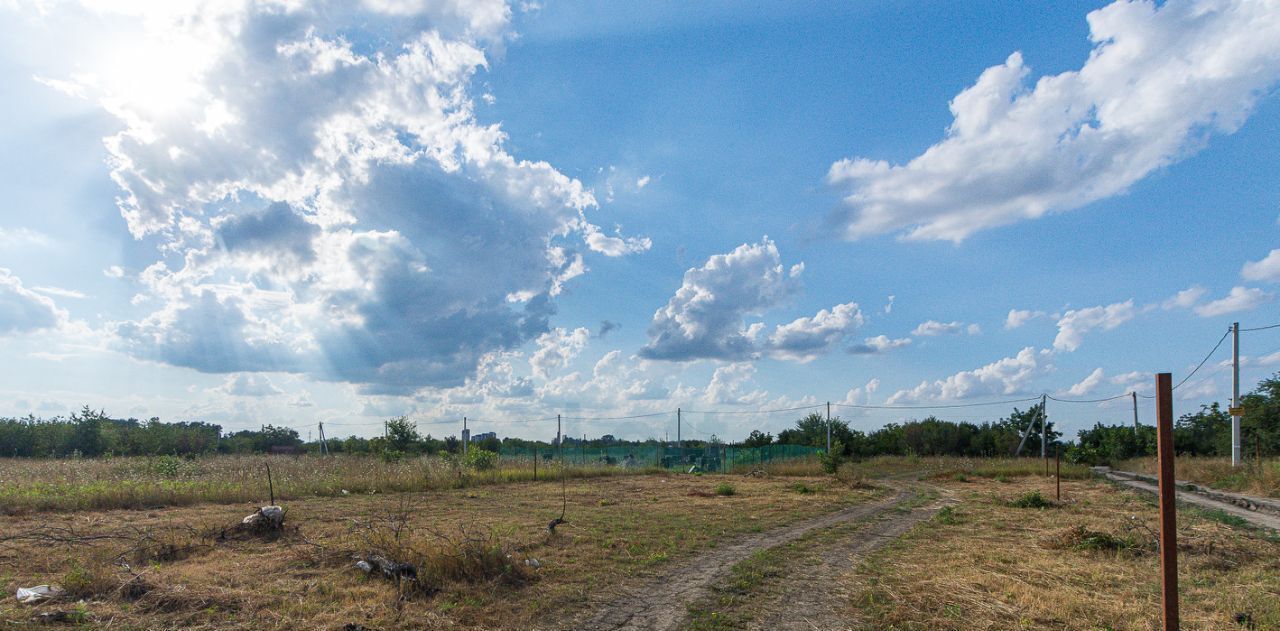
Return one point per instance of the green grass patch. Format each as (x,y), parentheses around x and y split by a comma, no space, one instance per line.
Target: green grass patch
(1031,499)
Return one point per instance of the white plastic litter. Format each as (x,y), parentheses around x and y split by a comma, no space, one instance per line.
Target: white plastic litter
(364,566)
(273,515)
(533,563)
(32,595)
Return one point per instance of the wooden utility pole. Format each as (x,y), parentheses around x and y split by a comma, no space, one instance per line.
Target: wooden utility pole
(1168,502)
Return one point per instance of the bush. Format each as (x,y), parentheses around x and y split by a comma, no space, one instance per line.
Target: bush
(831,460)
(947,515)
(480,459)
(726,489)
(1032,499)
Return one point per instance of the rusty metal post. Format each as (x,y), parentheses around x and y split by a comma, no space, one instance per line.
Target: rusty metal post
(1057,470)
(1168,504)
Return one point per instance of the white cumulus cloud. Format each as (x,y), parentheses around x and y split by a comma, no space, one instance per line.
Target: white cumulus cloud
(1074,324)
(1265,270)
(1238,299)
(1004,377)
(23,310)
(1019,317)
(1161,80)
(1087,385)
(706,318)
(323,197)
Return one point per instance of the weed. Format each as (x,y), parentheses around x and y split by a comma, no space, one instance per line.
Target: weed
(947,515)
(1031,499)
(1223,517)
(802,488)
(725,489)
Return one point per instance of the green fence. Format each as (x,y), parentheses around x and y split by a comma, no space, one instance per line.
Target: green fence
(725,458)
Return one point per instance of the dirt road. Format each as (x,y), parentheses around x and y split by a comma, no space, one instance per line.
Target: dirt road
(1257,518)
(662,603)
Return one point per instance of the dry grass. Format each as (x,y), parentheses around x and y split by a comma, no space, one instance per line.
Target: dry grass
(468,545)
(958,468)
(1087,563)
(1253,478)
(96,484)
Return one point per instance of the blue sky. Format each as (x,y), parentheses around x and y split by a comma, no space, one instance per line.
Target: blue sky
(268,212)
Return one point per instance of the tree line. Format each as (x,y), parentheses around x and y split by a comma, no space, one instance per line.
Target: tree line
(1205,432)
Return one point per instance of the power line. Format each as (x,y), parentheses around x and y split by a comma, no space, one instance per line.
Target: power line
(1118,396)
(934,407)
(806,407)
(615,418)
(1261,328)
(1206,359)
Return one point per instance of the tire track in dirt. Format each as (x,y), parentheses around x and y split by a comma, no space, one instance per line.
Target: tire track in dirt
(814,595)
(663,602)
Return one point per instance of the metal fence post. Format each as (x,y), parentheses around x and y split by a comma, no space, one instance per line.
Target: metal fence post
(1168,504)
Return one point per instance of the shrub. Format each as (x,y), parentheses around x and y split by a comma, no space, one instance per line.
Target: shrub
(831,460)
(947,515)
(726,489)
(802,488)
(1032,499)
(480,459)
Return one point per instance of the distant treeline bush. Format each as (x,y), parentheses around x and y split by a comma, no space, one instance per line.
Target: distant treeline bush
(1206,432)
(930,436)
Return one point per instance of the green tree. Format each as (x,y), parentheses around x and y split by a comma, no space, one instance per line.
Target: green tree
(402,434)
(758,439)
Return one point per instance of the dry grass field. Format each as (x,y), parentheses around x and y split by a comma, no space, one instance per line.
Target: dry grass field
(472,544)
(990,554)
(994,561)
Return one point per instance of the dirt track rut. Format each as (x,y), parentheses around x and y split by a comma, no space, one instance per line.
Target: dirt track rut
(662,603)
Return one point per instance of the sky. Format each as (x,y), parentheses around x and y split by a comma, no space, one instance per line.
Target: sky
(294,212)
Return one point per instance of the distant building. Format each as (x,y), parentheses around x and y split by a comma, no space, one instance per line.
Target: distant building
(608,438)
(475,438)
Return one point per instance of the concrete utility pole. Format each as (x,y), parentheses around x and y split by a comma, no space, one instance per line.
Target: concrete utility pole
(678,441)
(466,436)
(1135,412)
(1235,395)
(1044,435)
(828,429)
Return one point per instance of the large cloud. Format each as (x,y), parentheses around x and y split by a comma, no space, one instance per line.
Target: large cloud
(705,319)
(323,198)
(1158,82)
